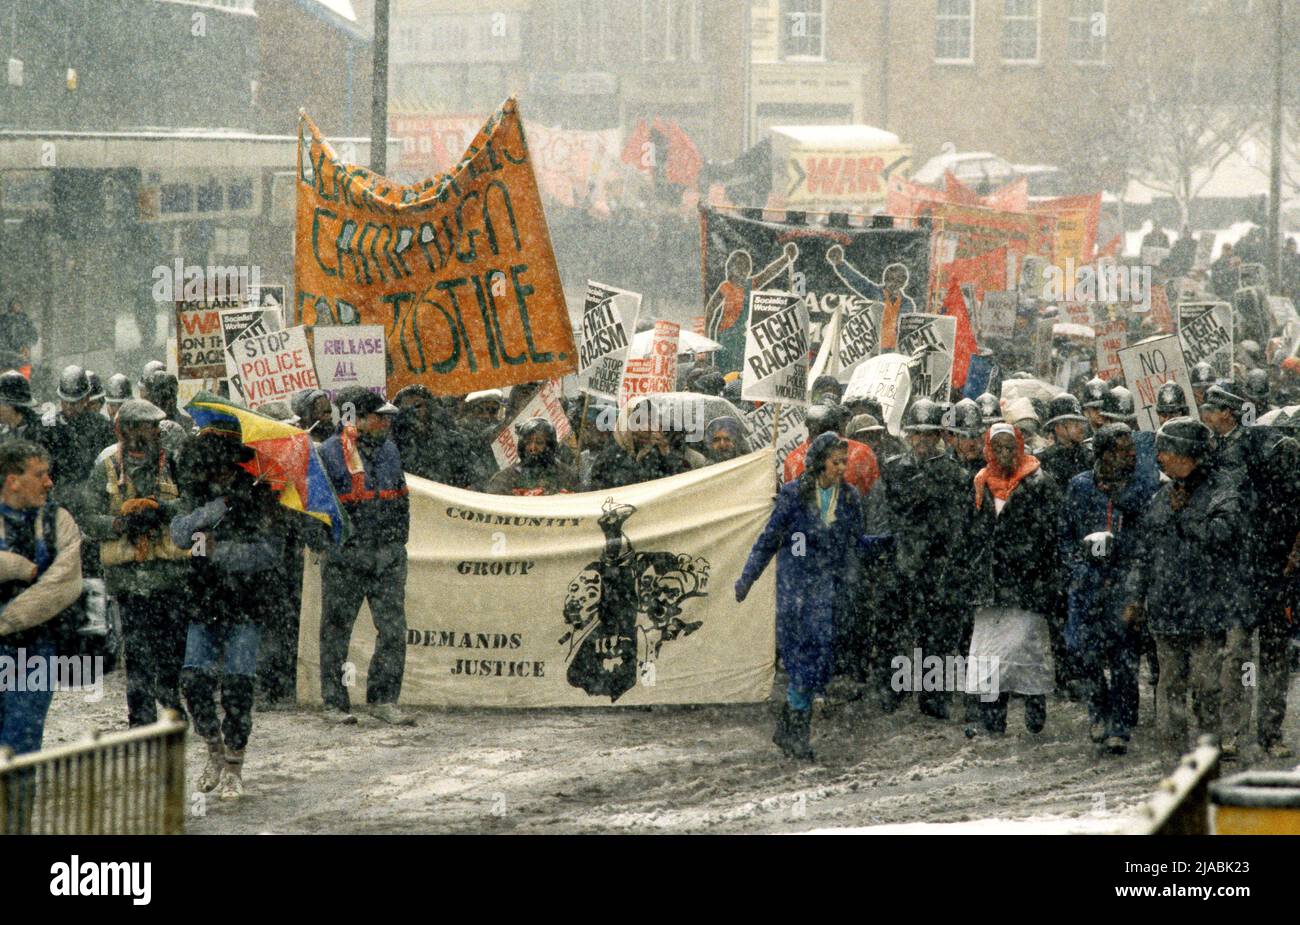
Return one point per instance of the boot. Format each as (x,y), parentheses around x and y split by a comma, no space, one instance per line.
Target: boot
(800,733)
(781,737)
(232,784)
(211,775)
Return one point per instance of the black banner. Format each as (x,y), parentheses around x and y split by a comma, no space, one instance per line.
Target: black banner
(828,265)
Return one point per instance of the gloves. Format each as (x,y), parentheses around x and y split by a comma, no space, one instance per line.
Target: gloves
(140,517)
(14,567)
(742,592)
(1134,614)
(1098,546)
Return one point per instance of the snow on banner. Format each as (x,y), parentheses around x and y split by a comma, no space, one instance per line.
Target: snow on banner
(273,366)
(459,268)
(655,373)
(776,349)
(1147,366)
(199,344)
(608,316)
(1205,329)
(240,322)
(929,341)
(601,598)
(545,404)
(349,354)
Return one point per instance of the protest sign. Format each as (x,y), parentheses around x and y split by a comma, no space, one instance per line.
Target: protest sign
(1147,366)
(1205,329)
(272,366)
(1112,337)
(929,341)
(1077,218)
(776,349)
(790,428)
(200,350)
(601,598)
(997,315)
(236,323)
(545,404)
(886,379)
(459,269)
(851,338)
(655,373)
(1043,348)
(828,267)
(608,317)
(347,355)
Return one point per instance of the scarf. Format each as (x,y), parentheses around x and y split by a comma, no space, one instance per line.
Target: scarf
(1001,483)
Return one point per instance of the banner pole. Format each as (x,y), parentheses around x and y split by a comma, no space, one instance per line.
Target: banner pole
(582,421)
(776,424)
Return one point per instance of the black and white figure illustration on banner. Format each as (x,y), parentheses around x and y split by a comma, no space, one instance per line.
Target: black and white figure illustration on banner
(890,293)
(776,349)
(608,323)
(725,310)
(623,608)
(930,341)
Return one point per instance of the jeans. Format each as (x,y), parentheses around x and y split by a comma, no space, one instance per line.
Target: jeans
(153,638)
(22,728)
(377,576)
(224,653)
(1111,701)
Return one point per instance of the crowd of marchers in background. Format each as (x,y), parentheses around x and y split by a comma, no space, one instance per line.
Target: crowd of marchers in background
(1050,546)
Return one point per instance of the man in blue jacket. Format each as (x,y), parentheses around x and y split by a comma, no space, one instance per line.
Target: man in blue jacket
(1102,506)
(363,463)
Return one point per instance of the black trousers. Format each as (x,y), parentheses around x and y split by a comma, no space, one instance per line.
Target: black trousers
(153,640)
(378,577)
(1113,700)
(994,713)
(277,659)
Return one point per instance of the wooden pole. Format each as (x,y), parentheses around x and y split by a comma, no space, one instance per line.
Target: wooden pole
(776,423)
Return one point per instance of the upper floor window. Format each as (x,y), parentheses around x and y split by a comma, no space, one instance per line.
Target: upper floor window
(670,30)
(1088,30)
(954,31)
(1020,31)
(803,25)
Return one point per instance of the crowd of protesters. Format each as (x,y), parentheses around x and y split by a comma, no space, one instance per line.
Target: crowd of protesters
(1048,545)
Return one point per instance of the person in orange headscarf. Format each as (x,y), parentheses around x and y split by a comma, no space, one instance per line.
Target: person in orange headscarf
(1013,580)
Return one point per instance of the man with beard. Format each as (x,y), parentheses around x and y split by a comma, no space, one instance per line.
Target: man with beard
(160,389)
(539,471)
(363,464)
(315,413)
(724,438)
(130,497)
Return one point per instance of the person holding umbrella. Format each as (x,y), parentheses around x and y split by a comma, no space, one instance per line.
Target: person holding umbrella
(815,532)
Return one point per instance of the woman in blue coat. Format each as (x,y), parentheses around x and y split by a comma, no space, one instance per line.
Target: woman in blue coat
(814,531)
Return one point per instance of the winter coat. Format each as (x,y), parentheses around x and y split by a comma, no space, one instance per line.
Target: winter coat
(614,467)
(244,539)
(1063,463)
(1015,551)
(928,511)
(27,606)
(1186,568)
(861,473)
(372,489)
(534,480)
(74,445)
(1095,588)
(812,561)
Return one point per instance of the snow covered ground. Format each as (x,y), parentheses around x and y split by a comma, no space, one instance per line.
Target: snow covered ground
(703,769)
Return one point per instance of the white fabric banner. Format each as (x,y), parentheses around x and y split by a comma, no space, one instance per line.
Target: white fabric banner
(621,596)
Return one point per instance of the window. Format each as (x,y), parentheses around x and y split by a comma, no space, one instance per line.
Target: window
(1088,29)
(1020,31)
(209,197)
(670,30)
(954,32)
(802,26)
(175,197)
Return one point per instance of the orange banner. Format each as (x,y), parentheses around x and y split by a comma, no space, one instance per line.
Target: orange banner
(1076,224)
(458,269)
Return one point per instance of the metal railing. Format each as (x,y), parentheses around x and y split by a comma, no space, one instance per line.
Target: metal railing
(121,783)
(1181,803)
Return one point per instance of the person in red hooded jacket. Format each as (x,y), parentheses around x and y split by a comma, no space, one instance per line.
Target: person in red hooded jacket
(862,471)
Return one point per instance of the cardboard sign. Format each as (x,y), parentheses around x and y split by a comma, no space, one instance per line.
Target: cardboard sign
(348,355)
(1112,337)
(1147,366)
(200,348)
(458,269)
(930,342)
(545,404)
(997,315)
(656,373)
(886,379)
(608,318)
(851,338)
(1043,348)
(1205,329)
(271,367)
(776,349)
(790,429)
(240,322)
